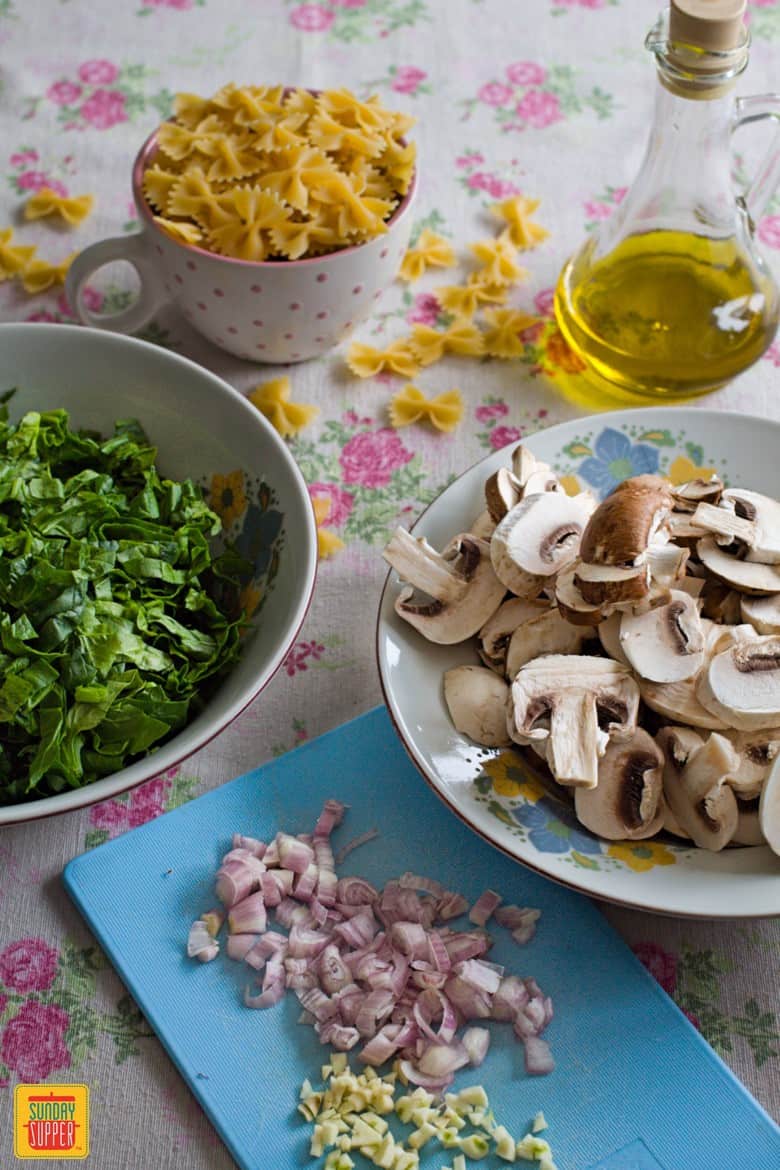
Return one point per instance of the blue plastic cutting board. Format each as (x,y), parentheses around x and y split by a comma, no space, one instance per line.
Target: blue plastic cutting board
(635,1087)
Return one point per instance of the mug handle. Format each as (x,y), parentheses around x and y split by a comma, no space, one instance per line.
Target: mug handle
(761,190)
(137,251)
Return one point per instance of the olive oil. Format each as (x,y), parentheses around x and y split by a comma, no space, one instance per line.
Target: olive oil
(667,313)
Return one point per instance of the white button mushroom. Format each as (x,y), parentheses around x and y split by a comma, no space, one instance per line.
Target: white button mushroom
(476,699)
(627,803)
(667,643)
(543,633)
(497,631)
(695,785)
(763,613)
(742,684)
(537,539)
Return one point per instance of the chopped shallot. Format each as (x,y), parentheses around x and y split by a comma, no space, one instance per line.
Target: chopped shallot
(379,967)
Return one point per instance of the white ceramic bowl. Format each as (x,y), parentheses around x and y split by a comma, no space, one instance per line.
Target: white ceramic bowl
(202,428)
(494,792)
(267,311)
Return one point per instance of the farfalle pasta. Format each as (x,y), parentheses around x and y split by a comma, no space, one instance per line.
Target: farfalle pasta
(40,275)
(365,361)
(273,173)
(503,336)
(430,251)
(272,399)
(410,405)
(72,209)
(521,230)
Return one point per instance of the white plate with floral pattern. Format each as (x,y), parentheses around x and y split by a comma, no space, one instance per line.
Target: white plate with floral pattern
(495,792)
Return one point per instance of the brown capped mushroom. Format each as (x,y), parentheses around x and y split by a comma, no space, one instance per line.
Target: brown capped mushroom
(623,526)
(578,702)
(537,539)
(667,643)
(497,631)
(627,803)
(542,633)
(460,589)
(741,685)
(476,700)
(687,496)
(695,785)
(502,492)
(763,613)
(612,584)
(572,604)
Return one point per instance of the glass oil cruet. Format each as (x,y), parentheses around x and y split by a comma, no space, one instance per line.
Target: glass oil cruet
(671,296)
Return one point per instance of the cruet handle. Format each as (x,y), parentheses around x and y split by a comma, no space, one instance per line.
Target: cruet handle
(761,190)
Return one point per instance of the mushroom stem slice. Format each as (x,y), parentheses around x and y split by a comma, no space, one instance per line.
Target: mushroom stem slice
(667,643)
(577,702)
(764,513)
(415,561)
(476,699)
(725,524)
(742,684)
(627,804)
(687,496)
(666,563)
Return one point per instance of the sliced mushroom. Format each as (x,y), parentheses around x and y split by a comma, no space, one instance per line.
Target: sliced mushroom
(537,538)
(605,584)
(763,613)
(769,809)
(741,685)
(693,586)
(572,604)
(763,514)
(720,603)
(627,803)
(666,563)
(497,631)
(625,523)
(484,526)
(545,633)
(746,576)
(461,590)
(748,830)
(695,786)
(667,643)
(502,492)
(678,701)
(578,702)
(609,636)
(476,699)
(757,751)
(687,496)
(671,824)
(525,465)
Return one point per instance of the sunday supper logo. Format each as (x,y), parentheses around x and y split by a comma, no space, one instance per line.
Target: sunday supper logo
(51,1120)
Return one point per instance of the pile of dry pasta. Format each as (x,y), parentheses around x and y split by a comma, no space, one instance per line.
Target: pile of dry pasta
(274,173)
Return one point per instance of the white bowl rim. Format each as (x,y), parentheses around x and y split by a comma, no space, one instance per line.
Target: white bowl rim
(169,755)
(604,419)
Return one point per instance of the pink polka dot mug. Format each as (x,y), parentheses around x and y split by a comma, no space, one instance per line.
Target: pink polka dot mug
(268,311)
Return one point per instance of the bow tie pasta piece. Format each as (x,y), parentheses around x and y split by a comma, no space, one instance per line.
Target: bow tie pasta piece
(327,133)
(254,213)
(461,301)
(278,135)
(366,362)
(430,251)
(158,185)
(327,541)
(464,339)
(429,345)
(503,337)
(233,159)
(189,109)
(193,197)
(295,172)
(72,209)
(13,258)
(499,260)
(398,162)
(293,240)
(489,294)
(345,108)
(177,141)
(300,101)
(410,405)
(39,275)
(522,231)
(273,400)
(180,229)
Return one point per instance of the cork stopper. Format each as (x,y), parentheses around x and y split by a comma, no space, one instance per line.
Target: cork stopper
(711,26)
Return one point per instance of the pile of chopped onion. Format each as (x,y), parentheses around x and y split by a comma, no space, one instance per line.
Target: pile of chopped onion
(377,968)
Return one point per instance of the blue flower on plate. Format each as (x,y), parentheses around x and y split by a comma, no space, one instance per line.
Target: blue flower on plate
(256,540)
(553,829)
(615,459)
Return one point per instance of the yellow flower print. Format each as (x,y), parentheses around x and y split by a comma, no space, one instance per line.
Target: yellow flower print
(511,777)
(570,484)
(641,855)
(228,498)
(249,598)
(684,469)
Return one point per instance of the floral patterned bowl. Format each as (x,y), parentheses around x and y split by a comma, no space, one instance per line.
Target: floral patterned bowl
(206,431)
(496,793)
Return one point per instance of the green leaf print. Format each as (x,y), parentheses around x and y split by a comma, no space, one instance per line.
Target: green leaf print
(125,1028)
(96,837)
(434,221)
(500,812)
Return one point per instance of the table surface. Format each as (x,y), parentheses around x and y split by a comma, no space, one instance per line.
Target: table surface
(551,98)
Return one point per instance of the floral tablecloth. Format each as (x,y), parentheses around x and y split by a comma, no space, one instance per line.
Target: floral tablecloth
(550,98)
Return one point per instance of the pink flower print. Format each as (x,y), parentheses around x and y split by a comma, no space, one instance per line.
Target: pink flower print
(109,815)
(408,79)
(348,3)
(24,157)
(693,1019)
(424,311)
(180,5)
(33,1043)
(104,109)
(471,158)
(64,93)
(92,299)
(147,802)
(539,108)
(340,503)
(311,18)
(296,659)
(773,354)
(661,964)
(619,194)
(596,210)
(495,94)
(500,436)
(370,459)
(3,1003)
(98,72)
(28,965)
(491,410)
(43,315)
(526,73)
(769,231)
(544,301)
(33,180)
